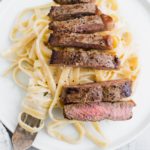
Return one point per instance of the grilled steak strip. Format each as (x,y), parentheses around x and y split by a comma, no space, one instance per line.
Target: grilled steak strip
(99,111)
(85,41)
(109,91)
(108,22)
(66,12)
(87,24)
(82,93)
(115,90)
(89,59)
(62,2)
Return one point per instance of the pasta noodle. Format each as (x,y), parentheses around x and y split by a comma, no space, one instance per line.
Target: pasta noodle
(112,4)
(30,55)
(53,132)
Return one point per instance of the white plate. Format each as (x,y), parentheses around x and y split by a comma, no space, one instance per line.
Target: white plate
(119,133)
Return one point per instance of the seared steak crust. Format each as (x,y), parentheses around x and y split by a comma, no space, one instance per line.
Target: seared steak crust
(87,24)
(108,22)
(85,41)
(62,2)
(66,12)
(115,90)
(82,94)
(109,91)
(88,59)
(99,111)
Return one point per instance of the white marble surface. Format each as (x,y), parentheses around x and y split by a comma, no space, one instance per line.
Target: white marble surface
(5,143)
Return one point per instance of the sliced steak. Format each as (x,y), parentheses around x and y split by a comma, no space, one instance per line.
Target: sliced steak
(99,111)
(85,41)
(66,12)
(108,21)
(62,2)
(82,93)
(115,90)
(87,24)
(86,59)
(109,91)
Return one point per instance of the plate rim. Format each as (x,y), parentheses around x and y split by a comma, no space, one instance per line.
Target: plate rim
(4,6)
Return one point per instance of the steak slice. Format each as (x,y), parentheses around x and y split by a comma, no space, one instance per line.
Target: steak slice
(99,111)
(108,21)
(66,12)
(87,24)
(109,91)
(85,41)
(86,59)
(115,90)
(82,93)
(62,2)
